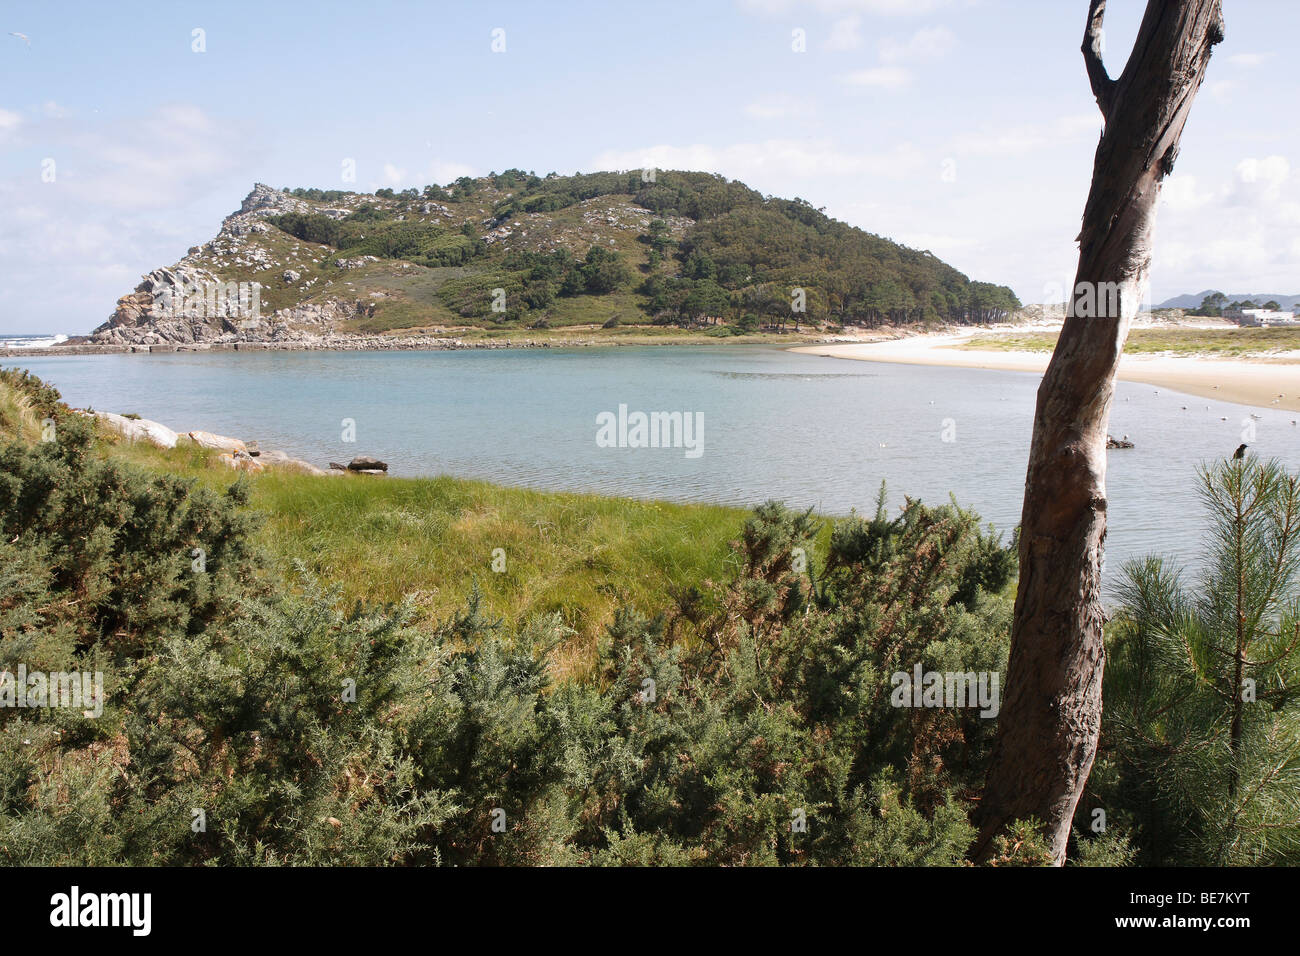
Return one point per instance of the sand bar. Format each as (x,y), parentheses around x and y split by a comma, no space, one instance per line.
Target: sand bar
(1254,381)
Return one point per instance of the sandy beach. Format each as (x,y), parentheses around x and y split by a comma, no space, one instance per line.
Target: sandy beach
(1264,382)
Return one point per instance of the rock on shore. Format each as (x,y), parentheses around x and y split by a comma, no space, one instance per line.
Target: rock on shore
(139,429)
(236,454)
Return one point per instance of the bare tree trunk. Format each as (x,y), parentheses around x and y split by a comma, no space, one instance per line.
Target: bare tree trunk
(1051,717)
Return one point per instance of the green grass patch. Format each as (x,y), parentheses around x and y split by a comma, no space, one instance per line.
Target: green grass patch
(1178,341)
(380,539)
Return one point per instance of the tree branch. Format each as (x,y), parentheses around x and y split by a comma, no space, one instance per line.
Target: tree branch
(1102,85)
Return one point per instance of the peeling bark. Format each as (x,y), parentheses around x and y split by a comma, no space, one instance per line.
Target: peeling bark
(1051,716)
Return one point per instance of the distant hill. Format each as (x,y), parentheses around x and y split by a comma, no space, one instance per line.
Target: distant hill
(516,250)
(1259,298)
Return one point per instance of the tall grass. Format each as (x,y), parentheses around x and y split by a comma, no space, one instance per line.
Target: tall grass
(381,539)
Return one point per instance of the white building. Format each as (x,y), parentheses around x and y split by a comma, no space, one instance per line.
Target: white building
(1259,318)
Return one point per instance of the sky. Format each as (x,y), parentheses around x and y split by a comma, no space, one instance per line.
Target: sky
(966,127)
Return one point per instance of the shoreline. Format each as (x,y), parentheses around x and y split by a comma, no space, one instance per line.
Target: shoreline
(1257,382)
(428,344)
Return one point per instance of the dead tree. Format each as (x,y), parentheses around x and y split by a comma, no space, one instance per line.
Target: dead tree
(1051,716)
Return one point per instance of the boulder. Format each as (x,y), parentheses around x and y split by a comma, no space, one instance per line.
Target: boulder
(139,429)
(278,459)
(219,442)
(367,464)
(1112,442)
(240,461)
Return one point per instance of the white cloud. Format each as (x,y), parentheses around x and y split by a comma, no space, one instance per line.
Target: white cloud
(1221,91)
(845,34)
(9,122)
(438,171)
(1248,61)
(777,106)
(1018,140)
(881,77)
(442,173)
(166,159)
(129,195)
(770,161)
(942,245)
(1259,181)
(1244,233)
(877,7)
(931,43)
(1182,193)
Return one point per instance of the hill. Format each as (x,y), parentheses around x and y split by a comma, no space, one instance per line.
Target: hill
(1193,301)
(515,250)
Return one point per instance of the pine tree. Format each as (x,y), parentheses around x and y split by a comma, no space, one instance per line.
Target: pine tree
(1203,687)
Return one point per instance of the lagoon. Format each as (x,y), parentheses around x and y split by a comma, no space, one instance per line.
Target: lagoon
(811,431)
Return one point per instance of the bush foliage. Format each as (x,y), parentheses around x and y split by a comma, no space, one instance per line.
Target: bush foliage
(250,720)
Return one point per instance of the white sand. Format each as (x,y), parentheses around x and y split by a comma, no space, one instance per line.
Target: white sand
(1254,381)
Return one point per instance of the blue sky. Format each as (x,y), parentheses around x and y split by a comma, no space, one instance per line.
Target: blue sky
(962,126)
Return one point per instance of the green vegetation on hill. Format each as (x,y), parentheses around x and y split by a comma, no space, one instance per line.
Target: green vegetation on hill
(686,248)
(369,232)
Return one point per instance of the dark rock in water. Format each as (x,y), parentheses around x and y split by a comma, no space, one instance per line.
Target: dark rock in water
(367,464)
(1118,442)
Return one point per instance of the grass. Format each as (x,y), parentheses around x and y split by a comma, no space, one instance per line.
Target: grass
(381,539)
(1179,341)
(17,420)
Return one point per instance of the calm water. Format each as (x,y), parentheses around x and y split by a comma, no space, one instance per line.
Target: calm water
(805,429)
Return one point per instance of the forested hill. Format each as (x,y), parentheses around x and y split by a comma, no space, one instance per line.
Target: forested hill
(517,250)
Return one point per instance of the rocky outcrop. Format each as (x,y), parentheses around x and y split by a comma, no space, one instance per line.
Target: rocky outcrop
(1112,442)
(278,459)
(241,461)
(198,301)
(167,306)
(219,442)
(138,429)
(362,465)
(236,454)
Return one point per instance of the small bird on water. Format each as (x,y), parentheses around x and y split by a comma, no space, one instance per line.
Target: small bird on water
(1240,453)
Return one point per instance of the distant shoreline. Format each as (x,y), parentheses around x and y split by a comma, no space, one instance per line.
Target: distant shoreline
(583,339)
(1256,381)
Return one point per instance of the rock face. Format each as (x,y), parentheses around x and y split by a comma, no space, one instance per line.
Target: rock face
(220,442)
(139,429)
(278,459)
(241,461)
(156,311)
(189,303)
